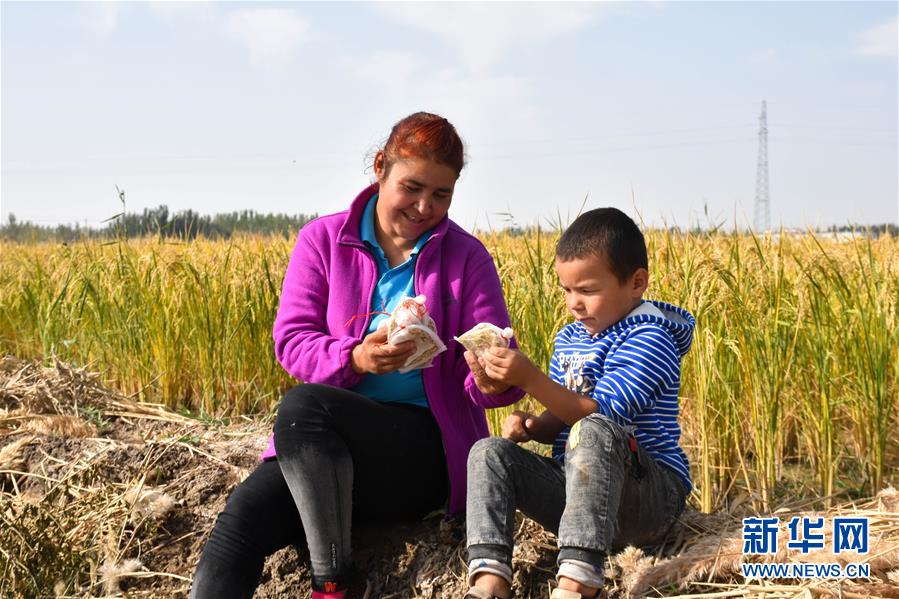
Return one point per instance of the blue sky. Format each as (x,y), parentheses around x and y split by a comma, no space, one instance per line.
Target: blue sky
(651,107)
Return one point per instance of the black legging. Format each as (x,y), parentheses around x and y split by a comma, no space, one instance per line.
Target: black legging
(398,472)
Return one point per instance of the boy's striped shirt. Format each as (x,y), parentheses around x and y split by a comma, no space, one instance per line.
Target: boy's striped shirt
(632,370)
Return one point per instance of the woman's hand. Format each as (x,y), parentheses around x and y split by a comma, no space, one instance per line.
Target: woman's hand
(487,385)
(509,366)
(376,356)
(518,426)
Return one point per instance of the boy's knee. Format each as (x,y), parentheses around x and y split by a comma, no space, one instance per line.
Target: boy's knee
(600,430)
(489,452)
(598,435)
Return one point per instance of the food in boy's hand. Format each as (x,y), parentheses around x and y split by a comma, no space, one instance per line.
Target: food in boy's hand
(483,336)
(410,321)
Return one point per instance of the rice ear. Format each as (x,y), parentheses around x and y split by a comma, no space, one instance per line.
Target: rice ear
(60,425)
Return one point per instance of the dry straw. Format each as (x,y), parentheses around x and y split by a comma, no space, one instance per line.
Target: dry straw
(716,557)
(94,515)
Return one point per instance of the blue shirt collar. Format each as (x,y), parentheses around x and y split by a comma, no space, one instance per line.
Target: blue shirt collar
(367,230)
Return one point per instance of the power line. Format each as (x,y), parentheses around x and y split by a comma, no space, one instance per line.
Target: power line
(834,142)
(829,128)
(613,136)
(591,151)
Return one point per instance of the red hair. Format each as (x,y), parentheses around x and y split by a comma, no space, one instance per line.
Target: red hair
(424,135)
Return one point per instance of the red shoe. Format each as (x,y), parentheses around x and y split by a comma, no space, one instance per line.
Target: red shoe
(353,586)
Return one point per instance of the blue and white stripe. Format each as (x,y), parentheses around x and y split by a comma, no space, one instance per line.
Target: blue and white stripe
(632,370)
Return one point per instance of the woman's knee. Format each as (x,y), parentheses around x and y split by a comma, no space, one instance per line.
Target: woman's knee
(303,403)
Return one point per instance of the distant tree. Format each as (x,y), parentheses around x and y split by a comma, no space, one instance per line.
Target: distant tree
(160,222)
(868,230)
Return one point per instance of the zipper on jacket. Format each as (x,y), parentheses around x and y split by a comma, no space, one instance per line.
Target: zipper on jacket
(424,386)
(371,291)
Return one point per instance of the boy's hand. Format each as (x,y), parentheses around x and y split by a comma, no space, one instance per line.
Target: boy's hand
(518,426)
(509,366)
(376,356)
(487,385)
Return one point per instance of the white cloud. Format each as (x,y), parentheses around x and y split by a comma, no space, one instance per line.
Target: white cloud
(103,17)
(271,34)
(385,67)
(879,40)
(195,9)
(763,56)
(482,106)
(483,32)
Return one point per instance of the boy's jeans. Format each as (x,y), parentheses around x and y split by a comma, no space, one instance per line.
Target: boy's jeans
(604,496)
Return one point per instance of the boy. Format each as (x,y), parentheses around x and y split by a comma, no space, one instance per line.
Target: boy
(618,476)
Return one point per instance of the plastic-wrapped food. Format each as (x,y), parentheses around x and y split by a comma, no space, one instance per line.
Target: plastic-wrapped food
(409,321)
(484,335)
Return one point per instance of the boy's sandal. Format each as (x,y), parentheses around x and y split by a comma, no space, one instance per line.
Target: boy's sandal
(566,594)
(476,593)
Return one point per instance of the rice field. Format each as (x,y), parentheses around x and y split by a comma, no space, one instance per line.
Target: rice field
(790,388)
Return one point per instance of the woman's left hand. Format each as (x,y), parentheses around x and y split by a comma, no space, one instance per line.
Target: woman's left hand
(487,385)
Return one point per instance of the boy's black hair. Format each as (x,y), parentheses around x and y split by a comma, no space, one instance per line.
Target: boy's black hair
(608,233)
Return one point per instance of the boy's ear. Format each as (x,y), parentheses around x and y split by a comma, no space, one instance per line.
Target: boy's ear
(639,282)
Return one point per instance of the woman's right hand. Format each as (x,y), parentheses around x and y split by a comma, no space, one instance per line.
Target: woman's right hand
(376,356)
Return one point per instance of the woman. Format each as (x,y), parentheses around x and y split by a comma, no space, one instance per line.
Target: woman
(359,439)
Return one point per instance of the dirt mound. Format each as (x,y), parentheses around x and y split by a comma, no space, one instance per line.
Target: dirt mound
(101,495)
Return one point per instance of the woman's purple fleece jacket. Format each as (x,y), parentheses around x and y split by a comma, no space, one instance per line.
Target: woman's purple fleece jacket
(330,280)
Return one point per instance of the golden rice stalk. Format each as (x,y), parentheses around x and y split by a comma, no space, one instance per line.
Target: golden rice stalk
(11,455)
(111,573)
(633,565)
(59,426)
(149,503)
